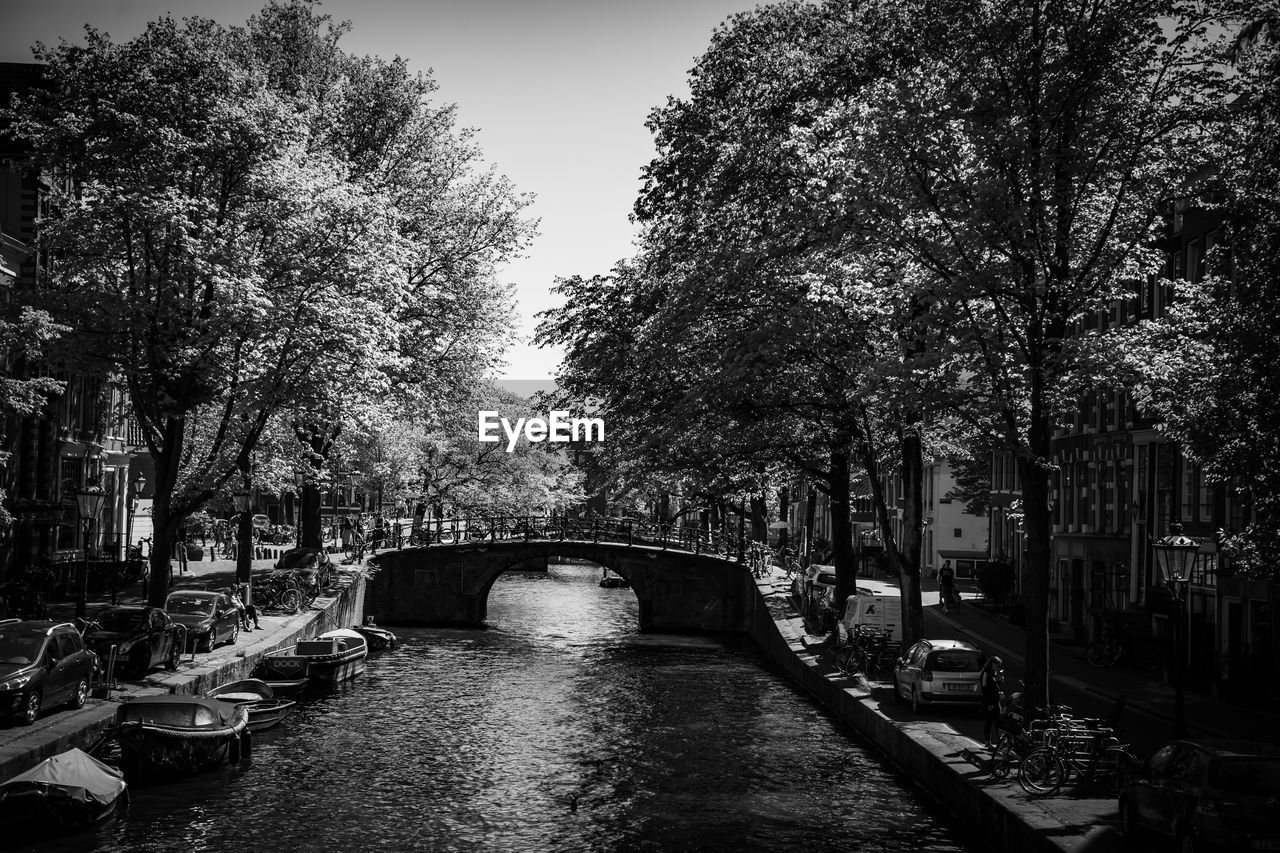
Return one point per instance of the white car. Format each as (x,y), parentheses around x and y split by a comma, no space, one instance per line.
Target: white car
(935,672)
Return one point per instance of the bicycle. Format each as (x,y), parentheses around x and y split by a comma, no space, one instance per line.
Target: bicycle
(1091,757)
(1108,651)
(276,593)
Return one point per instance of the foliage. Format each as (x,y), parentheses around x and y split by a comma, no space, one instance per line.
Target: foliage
(23,391)
(1209,370)
(255,226)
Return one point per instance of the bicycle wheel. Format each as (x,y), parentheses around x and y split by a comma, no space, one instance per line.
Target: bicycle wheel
(1041,772)
(1113,769)
(885,660)
(1100,655)
(290,600)
(851,661)
(1002,757)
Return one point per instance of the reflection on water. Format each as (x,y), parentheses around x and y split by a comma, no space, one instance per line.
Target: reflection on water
(559,728)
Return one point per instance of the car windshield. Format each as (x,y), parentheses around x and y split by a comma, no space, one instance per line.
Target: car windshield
(825,577)
(1249,776)
(19,650)
(195,605)
(300,560)
(956,660)
(123,620)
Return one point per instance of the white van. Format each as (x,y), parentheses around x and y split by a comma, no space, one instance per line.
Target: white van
(880,610)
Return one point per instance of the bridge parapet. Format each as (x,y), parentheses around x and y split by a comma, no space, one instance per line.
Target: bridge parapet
(678,591)
(561,528)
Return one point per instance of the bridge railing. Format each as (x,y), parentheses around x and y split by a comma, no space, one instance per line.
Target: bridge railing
(558,527)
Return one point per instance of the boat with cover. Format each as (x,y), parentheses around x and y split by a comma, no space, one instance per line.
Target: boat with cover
(69,791)
(612,581)
(258,699)
(332,657)
(174,735)
(377,638)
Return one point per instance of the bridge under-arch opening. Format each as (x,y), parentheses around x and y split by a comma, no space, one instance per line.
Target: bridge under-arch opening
(448,585)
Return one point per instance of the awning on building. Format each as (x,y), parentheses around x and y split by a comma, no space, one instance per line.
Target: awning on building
(963,555)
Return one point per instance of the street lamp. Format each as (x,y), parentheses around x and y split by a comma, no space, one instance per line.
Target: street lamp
(1175,555)
(244,541)
(89,504)
(139,483)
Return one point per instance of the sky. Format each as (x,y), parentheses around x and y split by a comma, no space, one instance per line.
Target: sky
(558,91)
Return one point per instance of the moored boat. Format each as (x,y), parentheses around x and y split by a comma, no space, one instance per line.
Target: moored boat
(377,638)
(69,791)
(174,735)
(257,697)
(612,581)
(332,657)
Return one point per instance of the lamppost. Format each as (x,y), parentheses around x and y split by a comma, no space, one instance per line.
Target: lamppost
(244,542)
(1175,555)
(89,504)
(139,483)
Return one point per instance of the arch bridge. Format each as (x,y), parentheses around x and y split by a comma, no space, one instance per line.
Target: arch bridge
(685,581)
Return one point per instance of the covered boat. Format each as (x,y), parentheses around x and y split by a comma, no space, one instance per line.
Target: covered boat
(258,699)
(377,638)
(332,657)
(171,735)
(70,791)
(612,581)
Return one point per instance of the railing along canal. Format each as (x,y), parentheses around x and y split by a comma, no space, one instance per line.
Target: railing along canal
(558,527)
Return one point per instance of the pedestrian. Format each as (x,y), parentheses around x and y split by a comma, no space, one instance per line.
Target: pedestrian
(242,615)
(345,530)
(250,609)
(947,586)
(180,548)
(991,682)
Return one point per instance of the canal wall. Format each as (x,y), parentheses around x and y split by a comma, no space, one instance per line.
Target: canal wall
(23,748)
(934,756)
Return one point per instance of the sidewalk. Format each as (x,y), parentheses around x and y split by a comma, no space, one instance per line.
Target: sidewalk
(1146,693)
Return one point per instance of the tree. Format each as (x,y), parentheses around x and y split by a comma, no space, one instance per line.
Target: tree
(239,241)
(24,334)
(1020,155)
(1208,371)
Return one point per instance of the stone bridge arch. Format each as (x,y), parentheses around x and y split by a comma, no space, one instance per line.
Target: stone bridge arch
(448,585)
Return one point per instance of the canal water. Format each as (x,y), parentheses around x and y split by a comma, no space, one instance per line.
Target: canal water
(558,728)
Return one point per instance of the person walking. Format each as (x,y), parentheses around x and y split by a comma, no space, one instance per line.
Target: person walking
(991,682)
(345,531)
(180,548)
(947,587)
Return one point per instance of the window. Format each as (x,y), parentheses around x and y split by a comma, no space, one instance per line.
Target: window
(1189,478)
(1206,498)
(959,533)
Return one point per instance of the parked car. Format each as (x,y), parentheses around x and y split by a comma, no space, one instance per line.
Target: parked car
(1206,796)
(144,637)
(311,567)
(209,617)
(822,593)
(42,665)
(936,672)
(803,582)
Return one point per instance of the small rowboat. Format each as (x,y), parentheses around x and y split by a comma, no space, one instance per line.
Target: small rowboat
(69,791)
(377,638)
(332,657)
(174,735)
(258,699)
(612,581)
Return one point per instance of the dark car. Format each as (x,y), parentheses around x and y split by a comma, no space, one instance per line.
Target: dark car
(144,637)
(310,567)
(42,664)
(1205,796)
(209,617)
(934,672)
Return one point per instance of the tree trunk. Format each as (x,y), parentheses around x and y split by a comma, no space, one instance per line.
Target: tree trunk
(842,554)
(810,517)
(309,516)
(164,524)
(1038,524)
(759,518)
(784,516)
(912,534)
